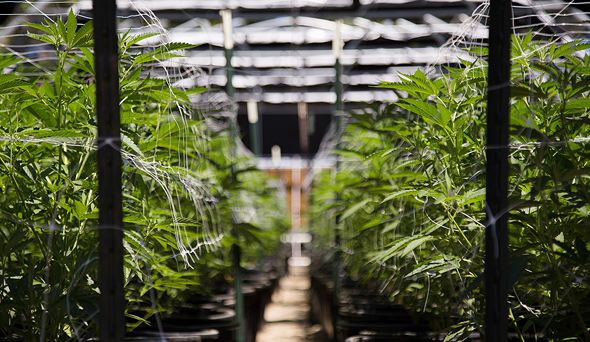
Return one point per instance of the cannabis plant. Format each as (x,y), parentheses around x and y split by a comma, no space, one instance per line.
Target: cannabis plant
(412,201)
(48,184)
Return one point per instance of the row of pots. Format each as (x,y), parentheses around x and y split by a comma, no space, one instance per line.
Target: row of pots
(362,315)
(214,318)
(362,312)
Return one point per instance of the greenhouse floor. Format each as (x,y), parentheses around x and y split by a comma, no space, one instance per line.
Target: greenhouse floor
(286,317)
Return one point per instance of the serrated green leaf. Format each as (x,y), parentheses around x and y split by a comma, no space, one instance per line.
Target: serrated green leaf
(354,208)
(138,38)
(83,36)
(438,264)
(403,86)
(402,247)
(44,38)
(578,103)
(40,27)
(71,26)
(415,243)
(400,193)
(173,46)
(64,133)
(127,141)
(82,64)
(150,57)
(428,112)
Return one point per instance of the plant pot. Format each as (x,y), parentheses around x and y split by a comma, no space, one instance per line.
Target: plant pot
(198,317)
(361,310)
(321,304)
(387,338)
(192,336)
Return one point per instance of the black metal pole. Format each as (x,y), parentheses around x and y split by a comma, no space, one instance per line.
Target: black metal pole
(255,139)
(254,120)
(336,262)
(229,88)
(110,221)
(496,267)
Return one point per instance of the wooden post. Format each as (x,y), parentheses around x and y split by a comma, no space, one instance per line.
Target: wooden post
(498,115)
(110,221)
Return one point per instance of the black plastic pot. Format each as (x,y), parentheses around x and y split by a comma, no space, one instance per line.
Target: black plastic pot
(192,336)
(321,304)
(366,311)
(253,308)
(199,317)
(387,338)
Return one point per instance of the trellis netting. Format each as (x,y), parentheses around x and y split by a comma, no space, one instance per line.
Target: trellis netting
(180,196)
(412,182)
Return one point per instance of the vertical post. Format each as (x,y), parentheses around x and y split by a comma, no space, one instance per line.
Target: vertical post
(498,113)
(112,300)
(303,130)
(253,120)
(237,254)
(276,156)
(228,45)
(337,51)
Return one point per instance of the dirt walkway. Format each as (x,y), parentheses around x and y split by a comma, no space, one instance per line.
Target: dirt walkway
(286,318)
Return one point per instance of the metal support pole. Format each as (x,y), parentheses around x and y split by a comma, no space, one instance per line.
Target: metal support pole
(229,88)
(496,267)
(336,262)
(112,299)
(303,129)
(337,49)
(237,254)
(255,139)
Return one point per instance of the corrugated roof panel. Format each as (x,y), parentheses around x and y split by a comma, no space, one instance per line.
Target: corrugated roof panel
(249,81)
(370,96)
(404,69)
(167,5)
(299,35)
(319,97)
(304,72)
(413,29)
(197,37)
(264,4)
(369,2)
(327,25)
(314,35)
(379,30)
(295,97)
(319,58)
(265,24)
(440,26)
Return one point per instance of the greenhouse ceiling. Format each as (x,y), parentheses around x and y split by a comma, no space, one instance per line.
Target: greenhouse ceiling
(283,51)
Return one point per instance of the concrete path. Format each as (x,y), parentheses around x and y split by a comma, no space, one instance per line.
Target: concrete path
(286,318)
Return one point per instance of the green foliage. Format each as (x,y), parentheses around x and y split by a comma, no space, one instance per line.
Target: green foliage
(176,197)
(411,194)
